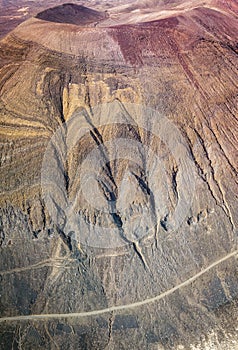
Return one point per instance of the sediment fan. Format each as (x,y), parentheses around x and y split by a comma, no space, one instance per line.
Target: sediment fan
(119,178)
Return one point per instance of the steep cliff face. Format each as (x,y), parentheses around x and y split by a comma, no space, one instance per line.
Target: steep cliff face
(119,178)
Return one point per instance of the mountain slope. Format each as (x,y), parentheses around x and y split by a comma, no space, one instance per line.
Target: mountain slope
(119,178)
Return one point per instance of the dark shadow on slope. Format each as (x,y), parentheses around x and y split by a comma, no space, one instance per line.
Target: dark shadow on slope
(72,14)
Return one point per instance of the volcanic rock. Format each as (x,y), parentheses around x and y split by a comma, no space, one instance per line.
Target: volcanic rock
(118,224)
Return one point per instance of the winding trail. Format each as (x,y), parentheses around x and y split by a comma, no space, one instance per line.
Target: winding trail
(119,307)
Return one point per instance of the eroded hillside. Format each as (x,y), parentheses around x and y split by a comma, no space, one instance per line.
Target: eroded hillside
(119,178)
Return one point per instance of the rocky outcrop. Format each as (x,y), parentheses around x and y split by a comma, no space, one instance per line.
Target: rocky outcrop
(119,179)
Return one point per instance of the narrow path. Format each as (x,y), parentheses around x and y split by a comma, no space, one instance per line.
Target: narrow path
(120,307)
(51,262)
